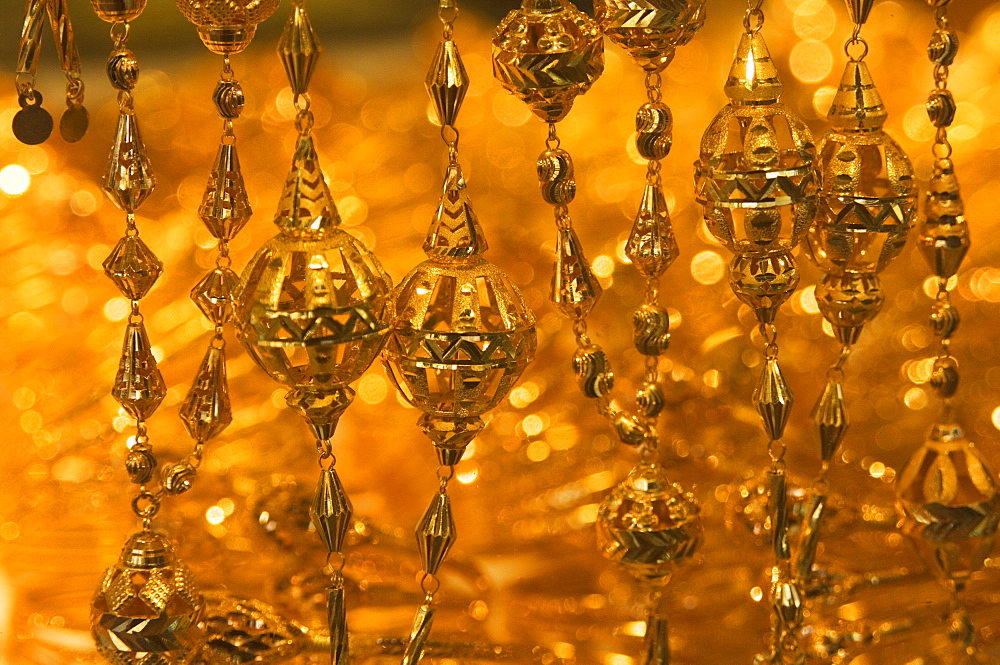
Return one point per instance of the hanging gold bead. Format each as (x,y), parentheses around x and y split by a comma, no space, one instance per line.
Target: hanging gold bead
(648,525)
(867,190)
(447,82)
(555,177)
(225,206)
(654,126)
(226,26)
(299,49)
(944,235)
(575,289)
(147,607)
(650,29)
(123,70)
(652,330)
(206,411)
(944,319)
(650,399)
(118,11)
(436,533)
(593,372)
(764,281)
(128,180)
(139,386)
(848,301)
(948,500)
(461,331)
(331,510)
(133,267)
(651,246)
(754,178)
(546,53)
(312,311)
(830,417)
(772,397)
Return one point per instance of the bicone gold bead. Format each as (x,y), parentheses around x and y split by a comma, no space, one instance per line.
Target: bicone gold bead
(944,235)
(650,29)
(754,178)
(867,196)
(133,267)
(436,533)
(226,26)
(848,301)
(772,397)
(648,525)
(147,607)
(546,53)
(949,503)
(764,281)
(830,417)
(447,82)
(299,49)
(331,510)
(215,295)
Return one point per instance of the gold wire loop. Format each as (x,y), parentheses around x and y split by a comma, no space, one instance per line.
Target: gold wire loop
(145,504)
(429,584)
(753,20)
(552,141)
(854,41)
(120,32)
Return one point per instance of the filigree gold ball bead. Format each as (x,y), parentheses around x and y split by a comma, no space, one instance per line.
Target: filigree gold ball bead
(649,525)
(547,53)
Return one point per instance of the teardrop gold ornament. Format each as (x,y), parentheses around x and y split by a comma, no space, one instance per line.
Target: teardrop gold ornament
(128,180)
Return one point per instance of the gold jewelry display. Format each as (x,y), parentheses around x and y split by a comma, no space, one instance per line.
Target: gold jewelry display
(225,27)
(33,124)
(867,199)
(147,607)
(754,181)
(948,499)
(313,312)
(649,525)
(461,333)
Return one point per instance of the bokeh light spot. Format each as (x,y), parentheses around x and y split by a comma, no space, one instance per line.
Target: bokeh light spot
(811,61)
(14,180)
(707,267)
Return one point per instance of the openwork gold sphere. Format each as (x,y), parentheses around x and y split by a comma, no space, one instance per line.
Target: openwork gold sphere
(650,29)
(848,302)
(462,335)
(649,525)
(754,177)
(312,312)
(147,609)
(867,191)
(227,26)
(546,53)
(949,503)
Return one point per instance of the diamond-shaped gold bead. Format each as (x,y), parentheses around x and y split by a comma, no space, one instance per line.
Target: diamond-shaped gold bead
(215,295)
(773,399)
(133,267)
(299,49)
(206,410)
(139,386)
(436,533)
(331,510)
(447,82)
(830,416)
(129,177)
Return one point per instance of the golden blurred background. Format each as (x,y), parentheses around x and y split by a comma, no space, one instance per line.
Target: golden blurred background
(528,575)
